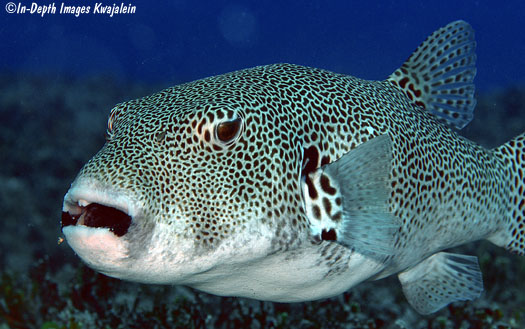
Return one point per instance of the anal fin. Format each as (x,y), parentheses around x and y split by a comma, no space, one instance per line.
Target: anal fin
(441,279)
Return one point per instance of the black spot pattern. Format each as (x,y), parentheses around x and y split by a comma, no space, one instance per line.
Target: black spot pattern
(163,150)
(513,155)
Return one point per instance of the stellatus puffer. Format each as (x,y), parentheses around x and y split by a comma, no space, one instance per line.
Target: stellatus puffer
(289,183)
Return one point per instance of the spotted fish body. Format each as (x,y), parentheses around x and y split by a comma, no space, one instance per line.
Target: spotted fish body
(289,183)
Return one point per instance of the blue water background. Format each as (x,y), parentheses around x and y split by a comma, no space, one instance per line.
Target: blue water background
(183,40)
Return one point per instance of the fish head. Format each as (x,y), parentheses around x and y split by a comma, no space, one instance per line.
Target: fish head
(198,175)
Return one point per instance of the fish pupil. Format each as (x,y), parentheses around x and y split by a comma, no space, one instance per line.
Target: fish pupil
(227,130)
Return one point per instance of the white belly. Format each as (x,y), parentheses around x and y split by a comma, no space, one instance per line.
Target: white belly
(292,276)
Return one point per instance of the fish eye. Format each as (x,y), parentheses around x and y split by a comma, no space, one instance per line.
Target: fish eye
(226,131)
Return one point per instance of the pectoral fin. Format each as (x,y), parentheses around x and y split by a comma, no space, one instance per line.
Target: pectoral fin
(361,182)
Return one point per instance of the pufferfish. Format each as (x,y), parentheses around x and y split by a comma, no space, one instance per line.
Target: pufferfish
(288,183)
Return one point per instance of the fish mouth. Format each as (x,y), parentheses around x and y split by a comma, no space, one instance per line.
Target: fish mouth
(96,211)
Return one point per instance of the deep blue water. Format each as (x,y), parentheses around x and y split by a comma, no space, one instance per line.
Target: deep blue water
(182,40)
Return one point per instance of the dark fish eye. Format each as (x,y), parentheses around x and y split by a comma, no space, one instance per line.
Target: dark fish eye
(227,130)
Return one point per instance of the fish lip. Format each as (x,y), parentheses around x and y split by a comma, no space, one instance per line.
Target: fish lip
(78,198)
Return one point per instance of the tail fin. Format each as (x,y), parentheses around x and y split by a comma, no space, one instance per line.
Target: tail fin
(439,75)
(513,155)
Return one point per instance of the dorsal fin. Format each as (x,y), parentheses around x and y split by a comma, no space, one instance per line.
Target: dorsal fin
(439,75)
